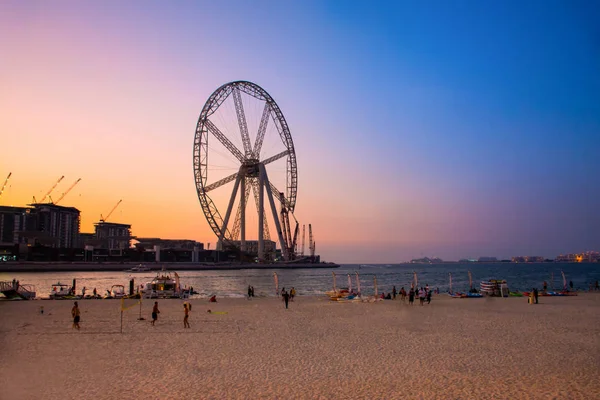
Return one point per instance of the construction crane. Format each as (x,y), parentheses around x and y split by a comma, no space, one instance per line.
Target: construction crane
(67,191)
(51,189)
(5,182)
(102,219)
(303,238)
(311,243)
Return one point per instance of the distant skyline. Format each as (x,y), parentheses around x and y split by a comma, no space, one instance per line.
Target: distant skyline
(449,129)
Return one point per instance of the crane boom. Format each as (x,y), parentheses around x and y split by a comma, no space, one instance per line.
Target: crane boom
(67,191)
(51,189)
(5,182)
(111,211)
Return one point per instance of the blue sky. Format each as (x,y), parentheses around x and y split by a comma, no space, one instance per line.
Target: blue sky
(452,129)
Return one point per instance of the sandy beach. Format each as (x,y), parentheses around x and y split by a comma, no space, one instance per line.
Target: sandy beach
(317,349)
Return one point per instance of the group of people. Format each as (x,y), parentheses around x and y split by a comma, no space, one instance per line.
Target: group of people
(423,293)
(187,307)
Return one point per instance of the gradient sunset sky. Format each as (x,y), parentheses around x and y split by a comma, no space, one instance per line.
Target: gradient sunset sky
(422,128)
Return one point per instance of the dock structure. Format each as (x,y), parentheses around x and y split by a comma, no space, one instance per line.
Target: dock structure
(12,290)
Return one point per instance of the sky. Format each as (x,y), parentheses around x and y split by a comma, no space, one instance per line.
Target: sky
(449,129)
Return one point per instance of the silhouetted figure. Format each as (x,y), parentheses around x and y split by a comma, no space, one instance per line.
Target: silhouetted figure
(535,295)
(394,293)
(571,284)
(286,298)
(155,312)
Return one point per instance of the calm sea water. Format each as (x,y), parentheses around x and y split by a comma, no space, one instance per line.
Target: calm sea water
(317,281)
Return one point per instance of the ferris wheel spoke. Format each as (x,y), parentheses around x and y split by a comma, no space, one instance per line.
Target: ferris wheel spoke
(220,182)
(255,191)
(224,140)
(275,157)
(262,128)
(241,117)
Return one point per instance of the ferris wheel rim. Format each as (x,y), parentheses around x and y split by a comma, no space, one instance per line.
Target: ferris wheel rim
(200,152)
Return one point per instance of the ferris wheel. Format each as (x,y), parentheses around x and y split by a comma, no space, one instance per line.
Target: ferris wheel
(242,137)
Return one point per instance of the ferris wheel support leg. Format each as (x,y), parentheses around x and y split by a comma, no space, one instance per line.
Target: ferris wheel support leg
(243,215)
(230,207)
(261,216)
(263,173)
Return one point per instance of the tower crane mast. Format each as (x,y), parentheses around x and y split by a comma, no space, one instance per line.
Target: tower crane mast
(51,189)
(5,182)
(67,191)
(303,238)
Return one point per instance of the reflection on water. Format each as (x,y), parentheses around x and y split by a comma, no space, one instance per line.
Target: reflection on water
(234,283)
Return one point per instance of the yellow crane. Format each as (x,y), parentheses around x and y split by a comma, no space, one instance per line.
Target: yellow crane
(102,219)
(5,182)
(51,189)
(67,191)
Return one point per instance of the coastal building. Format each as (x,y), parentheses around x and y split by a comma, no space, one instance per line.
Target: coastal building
(487,259)
(113,236)
(13,221)
(588,256)
(252,248)
(55,225)
(527,259)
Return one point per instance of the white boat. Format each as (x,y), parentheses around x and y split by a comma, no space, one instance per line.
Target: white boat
(139,268)
(61,291)
(163,286)
(117,291)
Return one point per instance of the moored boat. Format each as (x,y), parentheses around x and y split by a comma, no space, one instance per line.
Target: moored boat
(163,286)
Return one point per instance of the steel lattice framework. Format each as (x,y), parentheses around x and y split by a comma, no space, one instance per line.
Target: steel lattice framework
(252,174)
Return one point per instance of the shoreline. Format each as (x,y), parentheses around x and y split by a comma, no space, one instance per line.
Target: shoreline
(154,267)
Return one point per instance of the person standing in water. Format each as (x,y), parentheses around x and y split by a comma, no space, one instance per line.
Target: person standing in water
(186,312)
(155,312)
(75,313)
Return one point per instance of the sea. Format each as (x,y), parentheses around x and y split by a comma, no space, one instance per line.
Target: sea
(311,282)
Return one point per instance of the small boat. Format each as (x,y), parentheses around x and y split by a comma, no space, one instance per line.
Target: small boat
(163,286)
(117,292)
(139,268)
(61,291)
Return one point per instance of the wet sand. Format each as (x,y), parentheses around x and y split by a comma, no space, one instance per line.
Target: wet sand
(317,349)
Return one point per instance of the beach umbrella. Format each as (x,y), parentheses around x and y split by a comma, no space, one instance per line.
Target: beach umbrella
(276,283)
(375,284)
(357,283)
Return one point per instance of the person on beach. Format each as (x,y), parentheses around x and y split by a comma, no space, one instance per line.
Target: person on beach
(597,287)
(411,296)
(282,292)
(75,313)
(545,286)
(535,295)
(428,297)
(155,312)
(292,294)
(402,294)
(252,288)
(421,296)
(394,293)
(249,291)
(286,298)
(186,315)
(95,292)
(571,285)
